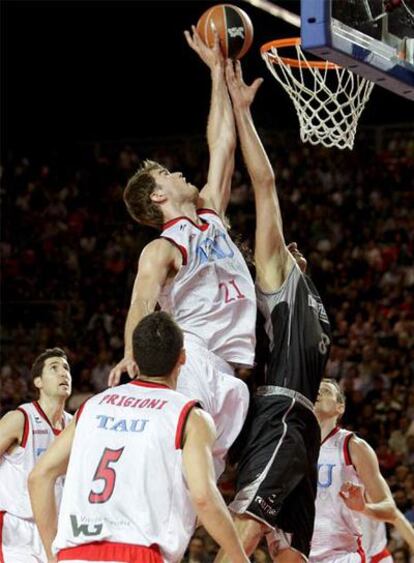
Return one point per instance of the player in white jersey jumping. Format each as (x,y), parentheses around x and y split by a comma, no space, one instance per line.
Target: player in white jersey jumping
(350,485)
(130,455)
(195,271)
(25,434)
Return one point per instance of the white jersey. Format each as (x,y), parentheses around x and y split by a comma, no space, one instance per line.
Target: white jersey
(15,467)
(374,539)
(212,297)
(125,483)
(337,528)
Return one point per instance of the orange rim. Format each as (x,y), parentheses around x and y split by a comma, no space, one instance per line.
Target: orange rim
(296,63)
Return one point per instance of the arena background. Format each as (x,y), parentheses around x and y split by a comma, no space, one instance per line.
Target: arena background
(91,88)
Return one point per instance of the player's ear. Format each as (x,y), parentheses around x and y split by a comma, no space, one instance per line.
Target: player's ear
(37,382)
(340,409)
(158,196)
(182,358)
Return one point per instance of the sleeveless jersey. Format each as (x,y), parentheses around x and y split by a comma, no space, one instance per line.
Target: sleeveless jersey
(212,297)
(124,482)
(374,536)
(293,336)
(337,528)
(15,467)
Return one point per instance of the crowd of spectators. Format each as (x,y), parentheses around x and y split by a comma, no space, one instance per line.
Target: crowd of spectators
(69,256)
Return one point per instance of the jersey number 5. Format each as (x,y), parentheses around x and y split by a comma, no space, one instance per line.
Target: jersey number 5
(107,474)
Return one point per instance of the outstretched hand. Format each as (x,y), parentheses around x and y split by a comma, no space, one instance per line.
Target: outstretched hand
(241,94)
(353,496)
(125,365)
(211,56)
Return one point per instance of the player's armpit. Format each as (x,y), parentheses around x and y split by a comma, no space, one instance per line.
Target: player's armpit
(273,264)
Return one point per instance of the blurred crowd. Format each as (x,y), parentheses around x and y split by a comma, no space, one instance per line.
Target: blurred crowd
(69,257)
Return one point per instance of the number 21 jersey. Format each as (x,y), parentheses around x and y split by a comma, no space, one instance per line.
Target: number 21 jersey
(212,297)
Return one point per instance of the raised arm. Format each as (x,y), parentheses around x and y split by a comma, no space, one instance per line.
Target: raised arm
(271,254)
(42,479)
(221,131)
(199,438)
(374,498)
(158,261)
(11,430)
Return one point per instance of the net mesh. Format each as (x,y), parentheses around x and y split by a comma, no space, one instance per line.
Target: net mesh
(328,99)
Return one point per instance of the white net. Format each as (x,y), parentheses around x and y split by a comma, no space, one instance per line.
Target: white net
(328,99)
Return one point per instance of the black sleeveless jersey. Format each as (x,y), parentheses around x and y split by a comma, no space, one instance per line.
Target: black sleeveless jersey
(293,336)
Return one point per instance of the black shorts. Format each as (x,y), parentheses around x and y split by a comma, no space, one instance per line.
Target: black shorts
(277,468)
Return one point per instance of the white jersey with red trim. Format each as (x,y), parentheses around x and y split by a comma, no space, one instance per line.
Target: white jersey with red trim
(374,536)
(15,467)
(337,529)
(212,297)
(125,483)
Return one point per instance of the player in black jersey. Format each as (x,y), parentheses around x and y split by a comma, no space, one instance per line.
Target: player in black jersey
(276,483)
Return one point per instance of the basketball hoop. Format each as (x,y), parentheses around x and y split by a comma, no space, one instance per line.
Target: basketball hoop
(328,99)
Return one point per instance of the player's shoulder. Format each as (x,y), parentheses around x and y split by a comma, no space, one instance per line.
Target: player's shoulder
(13,422)
(201,421)
(359,448)
(15,416)
(158,250)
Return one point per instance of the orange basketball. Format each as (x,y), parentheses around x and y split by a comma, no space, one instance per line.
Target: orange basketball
(234,28)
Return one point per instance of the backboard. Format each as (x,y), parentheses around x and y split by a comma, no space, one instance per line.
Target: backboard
(373,38)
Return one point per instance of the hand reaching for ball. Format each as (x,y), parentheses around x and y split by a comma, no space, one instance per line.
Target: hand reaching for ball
(211,56)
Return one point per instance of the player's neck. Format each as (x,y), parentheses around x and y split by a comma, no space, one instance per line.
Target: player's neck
(167,381)
(53,409)
(327,425)
(186,209)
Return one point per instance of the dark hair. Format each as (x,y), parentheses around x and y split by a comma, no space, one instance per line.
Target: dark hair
(39,363)
(157,342)
(137,196)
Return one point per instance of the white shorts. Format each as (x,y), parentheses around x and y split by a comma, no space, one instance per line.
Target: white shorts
(211,381)
(20,541)
(354,557)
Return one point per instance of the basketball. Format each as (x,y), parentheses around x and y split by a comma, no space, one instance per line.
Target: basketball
(234,28)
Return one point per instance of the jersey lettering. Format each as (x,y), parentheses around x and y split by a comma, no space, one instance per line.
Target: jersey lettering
(83,529)
(210,249)
(324,344)
(325,472)
(231,291)
(107,474)
(121,424)
(125,401)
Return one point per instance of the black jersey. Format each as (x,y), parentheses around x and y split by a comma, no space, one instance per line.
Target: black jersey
(296,335)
